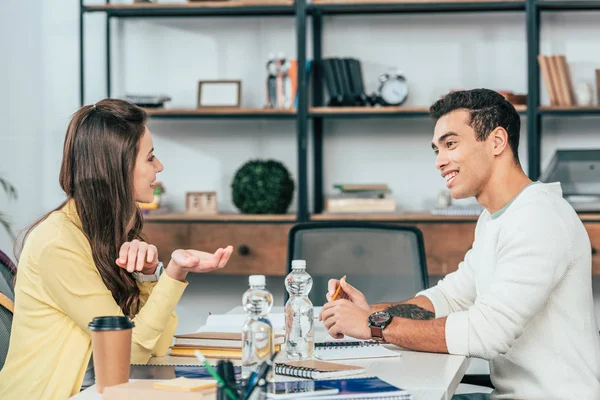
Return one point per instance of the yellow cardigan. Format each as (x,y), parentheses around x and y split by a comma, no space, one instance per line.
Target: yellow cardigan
(58,292)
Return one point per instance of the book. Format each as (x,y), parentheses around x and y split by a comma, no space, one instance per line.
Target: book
(361,187)
(219,353)
(217,339)
(360,205)
(352,388)
(347,350)
(172,371)
(183,384)
(315,369)
(145,389)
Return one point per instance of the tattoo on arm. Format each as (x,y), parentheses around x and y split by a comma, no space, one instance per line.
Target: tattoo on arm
(410,311)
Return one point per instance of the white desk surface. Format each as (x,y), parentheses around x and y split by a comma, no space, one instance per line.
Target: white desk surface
(428,376)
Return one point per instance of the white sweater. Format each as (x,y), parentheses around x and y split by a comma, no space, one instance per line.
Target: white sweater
(522,299)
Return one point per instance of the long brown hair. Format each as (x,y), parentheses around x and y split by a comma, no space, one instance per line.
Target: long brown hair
(100,150)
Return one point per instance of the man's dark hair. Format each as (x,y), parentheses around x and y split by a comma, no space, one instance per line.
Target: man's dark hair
(488,110)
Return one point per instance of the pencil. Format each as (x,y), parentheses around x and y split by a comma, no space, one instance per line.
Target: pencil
(338,289)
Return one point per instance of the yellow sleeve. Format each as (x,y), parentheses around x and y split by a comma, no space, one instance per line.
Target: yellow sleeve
(74,284)
(166,339)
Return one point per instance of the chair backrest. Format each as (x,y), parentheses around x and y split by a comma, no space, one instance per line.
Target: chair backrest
(7,276)
(6,317)
(385,261)
(7,296)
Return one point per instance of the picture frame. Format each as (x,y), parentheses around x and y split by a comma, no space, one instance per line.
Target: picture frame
(219,93)
(201,203)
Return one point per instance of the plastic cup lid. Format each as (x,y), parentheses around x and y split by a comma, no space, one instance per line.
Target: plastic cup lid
(110,323)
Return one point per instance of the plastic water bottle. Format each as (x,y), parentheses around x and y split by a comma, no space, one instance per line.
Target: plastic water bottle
(299,313)
(257,331)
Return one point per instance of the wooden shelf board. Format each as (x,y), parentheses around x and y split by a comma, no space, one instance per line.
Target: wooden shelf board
(393,217)
(569,109)
(379,111)
(589,217)
(328,2)
(229,217)
(188,5)
(416,217)
(197,9)
(402,6)
(220,112)
(568,5)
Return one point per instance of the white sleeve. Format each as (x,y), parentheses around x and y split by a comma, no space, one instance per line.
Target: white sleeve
(531,260)
(456,292)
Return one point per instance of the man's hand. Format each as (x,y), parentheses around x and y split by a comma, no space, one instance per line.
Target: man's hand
(138,256)
(347,292)
(185,261)
(343,317)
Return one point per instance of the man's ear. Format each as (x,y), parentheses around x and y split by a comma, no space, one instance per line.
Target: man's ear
(500,140)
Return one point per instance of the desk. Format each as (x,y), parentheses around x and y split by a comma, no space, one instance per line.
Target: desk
(428,376)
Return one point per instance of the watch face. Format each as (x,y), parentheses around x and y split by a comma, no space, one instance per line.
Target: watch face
(380,317)
(394,91)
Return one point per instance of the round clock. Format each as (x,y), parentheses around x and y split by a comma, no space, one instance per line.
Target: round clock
(393,89)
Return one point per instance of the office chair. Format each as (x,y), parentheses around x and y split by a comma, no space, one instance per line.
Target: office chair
(7,276)
(386,262)
(6,317)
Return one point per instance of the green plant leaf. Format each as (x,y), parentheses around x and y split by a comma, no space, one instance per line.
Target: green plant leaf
(9,189)
(6,224)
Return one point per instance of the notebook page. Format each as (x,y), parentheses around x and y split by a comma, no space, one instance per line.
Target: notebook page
(345,352)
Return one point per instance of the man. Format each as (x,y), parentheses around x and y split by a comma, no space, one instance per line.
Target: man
(522,297)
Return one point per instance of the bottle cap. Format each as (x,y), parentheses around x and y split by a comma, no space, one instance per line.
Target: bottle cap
(256,280)
(298,263)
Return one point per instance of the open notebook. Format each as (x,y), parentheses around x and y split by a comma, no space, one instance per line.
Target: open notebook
(348,348)
(234,322)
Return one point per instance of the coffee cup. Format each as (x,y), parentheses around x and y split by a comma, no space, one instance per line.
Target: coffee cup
(111,348)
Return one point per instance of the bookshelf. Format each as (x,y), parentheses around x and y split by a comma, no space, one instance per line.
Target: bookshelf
(311,117)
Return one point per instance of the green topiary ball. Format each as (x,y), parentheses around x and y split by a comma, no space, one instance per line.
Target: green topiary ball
(262,187)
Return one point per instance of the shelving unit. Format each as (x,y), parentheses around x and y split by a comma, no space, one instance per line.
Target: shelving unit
(317,113)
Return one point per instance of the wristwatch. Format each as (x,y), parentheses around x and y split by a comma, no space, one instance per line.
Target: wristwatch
(377,323)
(140,277)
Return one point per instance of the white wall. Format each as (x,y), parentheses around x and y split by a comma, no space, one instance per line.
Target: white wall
(21,112)
(437,53)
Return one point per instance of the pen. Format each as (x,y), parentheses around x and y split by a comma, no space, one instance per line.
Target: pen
(338,289)
(214,374)
(259,375)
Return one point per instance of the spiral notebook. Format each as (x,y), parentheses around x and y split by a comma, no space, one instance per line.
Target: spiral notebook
(347,350)
(315,369)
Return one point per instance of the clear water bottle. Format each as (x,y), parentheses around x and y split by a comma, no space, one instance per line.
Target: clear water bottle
(299,313)
(257,331)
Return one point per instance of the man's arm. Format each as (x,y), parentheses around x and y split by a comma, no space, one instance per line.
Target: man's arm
(414,325)
(416,334)
(419,307)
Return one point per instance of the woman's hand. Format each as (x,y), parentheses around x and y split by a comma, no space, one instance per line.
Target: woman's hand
(185,261)
(138,256)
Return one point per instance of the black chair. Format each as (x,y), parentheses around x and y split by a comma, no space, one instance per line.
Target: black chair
(384,261)
(7,276)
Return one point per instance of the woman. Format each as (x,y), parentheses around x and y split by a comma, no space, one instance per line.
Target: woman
(87,258)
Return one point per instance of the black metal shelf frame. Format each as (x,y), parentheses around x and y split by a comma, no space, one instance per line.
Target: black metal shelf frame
(301,11)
